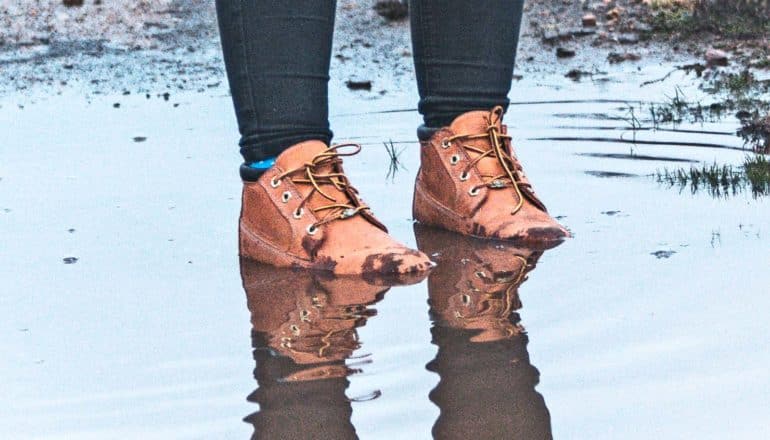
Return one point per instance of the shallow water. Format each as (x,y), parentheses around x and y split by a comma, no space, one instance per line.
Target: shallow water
(650,322)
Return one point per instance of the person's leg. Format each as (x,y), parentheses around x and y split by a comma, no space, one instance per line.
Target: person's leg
(277,56)
(464,53)
(298,208)
(470,180)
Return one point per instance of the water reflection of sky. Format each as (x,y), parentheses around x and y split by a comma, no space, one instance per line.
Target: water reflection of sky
(148,334)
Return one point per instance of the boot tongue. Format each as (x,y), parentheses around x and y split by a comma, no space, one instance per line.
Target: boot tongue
(473,123)
(299,154)
(304,153)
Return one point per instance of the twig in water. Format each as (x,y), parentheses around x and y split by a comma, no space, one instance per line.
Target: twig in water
(395,161)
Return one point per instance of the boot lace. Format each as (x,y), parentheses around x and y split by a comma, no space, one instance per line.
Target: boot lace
(512,171)
(308,174)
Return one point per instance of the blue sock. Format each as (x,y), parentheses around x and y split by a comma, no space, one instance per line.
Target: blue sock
(263,165)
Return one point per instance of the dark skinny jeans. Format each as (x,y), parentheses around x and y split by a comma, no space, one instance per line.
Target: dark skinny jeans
(277,54)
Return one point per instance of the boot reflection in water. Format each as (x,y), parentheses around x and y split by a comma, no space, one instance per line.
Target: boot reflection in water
(303,332)
(487,384)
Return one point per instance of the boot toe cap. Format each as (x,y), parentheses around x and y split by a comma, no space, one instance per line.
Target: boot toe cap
(540,232)
(400,265)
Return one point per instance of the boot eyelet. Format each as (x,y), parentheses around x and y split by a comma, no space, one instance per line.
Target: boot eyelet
(285,196)
(298,213)
(473,192)
(446,143)
(464,176)
(275,183)
(454,159)
(312,229)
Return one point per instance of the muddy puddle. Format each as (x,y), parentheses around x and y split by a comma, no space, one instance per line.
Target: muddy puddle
(125,311)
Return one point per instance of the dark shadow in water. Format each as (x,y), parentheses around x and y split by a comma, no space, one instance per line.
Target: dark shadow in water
(637,142)
(625,128)
(303,333)
(641,157)
(610,174)
(487,384)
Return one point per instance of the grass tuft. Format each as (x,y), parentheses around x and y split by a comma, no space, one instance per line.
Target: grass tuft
(722,180)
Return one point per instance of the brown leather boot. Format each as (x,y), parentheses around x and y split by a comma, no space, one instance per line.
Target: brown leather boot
(304,213)
(470,181)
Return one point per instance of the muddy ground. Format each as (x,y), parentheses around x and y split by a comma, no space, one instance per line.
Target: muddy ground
(172,45)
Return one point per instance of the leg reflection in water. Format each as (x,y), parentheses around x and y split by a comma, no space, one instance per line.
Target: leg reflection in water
(304,333)
(487,384)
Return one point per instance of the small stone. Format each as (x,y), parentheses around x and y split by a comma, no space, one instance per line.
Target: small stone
(70,260)
(628,39)
(582,32)
(589,20)
(716,57)
(614,13)
(615,57)
(355,84)
(577,74)
(550,36)
(392,10)
(563,52)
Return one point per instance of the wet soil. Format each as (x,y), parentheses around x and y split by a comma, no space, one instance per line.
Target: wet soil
(172,46)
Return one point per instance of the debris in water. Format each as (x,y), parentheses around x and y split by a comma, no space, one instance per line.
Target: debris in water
(563,52)
(615,57)
(609,174)
(611,212)
(577,74)
(140,138)
(663,254)
(71,3)
(70,260)
(355,84)
(395,161)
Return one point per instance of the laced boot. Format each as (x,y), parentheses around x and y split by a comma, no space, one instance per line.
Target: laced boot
(303,213)
(470,181)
